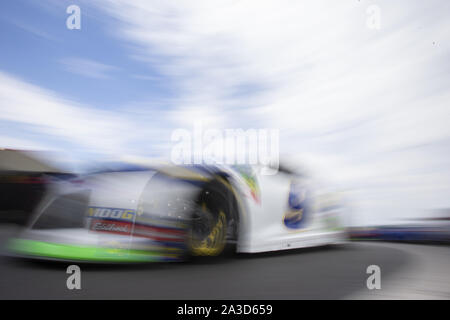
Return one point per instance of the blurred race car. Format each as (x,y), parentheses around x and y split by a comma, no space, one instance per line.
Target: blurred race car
(142,213)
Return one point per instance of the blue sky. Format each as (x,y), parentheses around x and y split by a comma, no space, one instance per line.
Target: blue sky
(36,45)
(364,107)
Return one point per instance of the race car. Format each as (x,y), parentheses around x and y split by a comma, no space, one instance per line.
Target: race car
(164,212)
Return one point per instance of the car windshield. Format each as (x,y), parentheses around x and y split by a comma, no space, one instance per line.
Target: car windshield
(66,211)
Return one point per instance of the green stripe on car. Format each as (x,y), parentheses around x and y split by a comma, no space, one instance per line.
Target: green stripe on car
(85,253)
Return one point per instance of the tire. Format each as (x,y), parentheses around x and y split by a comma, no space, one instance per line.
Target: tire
(211,220)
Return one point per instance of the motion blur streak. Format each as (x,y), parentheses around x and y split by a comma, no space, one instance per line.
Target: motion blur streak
(361,109)
(365,107)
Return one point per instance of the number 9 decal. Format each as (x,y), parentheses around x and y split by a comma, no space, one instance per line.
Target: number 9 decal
(298,211)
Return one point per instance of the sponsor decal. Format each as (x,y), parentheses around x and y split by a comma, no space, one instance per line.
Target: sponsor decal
(114,220)
(122,221)
(111,213)
(297,213)
(119,227)
(250,179)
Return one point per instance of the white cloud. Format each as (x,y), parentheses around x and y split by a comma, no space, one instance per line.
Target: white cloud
(38,32)
(20,144)
(366,108)
(144,77)
(351,98)
(48,114)
(88,68)
(36,118)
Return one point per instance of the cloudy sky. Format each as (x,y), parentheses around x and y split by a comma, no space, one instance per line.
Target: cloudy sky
(364,104)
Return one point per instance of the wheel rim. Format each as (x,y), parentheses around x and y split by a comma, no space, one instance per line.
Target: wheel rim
(210,240)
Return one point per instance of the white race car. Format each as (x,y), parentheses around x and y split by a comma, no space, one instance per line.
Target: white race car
(142,213)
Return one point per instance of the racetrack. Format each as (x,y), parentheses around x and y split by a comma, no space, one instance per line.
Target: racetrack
(335,272)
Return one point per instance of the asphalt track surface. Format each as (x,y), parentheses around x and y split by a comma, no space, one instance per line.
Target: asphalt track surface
(335,272)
